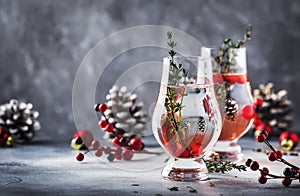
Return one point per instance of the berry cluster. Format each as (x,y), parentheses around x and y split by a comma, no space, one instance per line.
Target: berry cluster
(112,154)
(290,173)
(119,137)
(84,140)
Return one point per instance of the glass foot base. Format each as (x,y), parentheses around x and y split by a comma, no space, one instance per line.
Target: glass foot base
(229,151)
(185,170)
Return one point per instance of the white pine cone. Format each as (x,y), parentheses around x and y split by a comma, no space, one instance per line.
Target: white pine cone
(125,112)
(19,120)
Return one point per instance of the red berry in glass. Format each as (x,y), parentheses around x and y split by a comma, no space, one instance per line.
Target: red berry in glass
(218,78)
(248,111)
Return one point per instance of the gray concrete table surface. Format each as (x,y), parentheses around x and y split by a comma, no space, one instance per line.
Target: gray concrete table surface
(49,168)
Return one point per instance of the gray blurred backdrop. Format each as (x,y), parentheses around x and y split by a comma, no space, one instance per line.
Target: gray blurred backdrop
(43,42)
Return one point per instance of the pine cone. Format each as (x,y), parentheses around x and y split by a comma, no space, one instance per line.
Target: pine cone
(201,125)
(276,108)
(125,113)
(230,109)
(19,120)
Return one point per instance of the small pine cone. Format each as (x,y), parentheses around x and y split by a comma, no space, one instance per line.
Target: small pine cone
(230,109)
(201,125)
(19,120)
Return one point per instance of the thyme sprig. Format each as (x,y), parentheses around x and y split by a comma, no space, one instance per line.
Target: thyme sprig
(175,93)
(217,166)
(226,55)
(177,73)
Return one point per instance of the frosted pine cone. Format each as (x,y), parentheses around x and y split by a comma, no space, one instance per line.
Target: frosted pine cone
(19,120)
(125,113)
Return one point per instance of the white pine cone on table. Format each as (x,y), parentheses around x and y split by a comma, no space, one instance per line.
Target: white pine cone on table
(19,120)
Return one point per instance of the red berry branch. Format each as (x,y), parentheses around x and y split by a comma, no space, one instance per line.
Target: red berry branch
(119,138)
(290,173)
(125,145)
(117,152)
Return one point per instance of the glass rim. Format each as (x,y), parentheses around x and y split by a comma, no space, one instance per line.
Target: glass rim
(189,57)
(218,47)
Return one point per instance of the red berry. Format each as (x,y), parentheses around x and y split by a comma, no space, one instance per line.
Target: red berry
(109,128)
(98,153)
(254,165)
(262,179)
(102,124)
(102,107)
(268,129)
(136,144)
(115,141)
(265,171)
(127,154)
(118,155)
(272,156)
(257,122)
(85,135)
(248,112)
(286,182)
(218,78)
(260,127)
(258,102)
(80,157)
(279,153)
(95,144)
(107,150)
(164,130)
(261,138)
